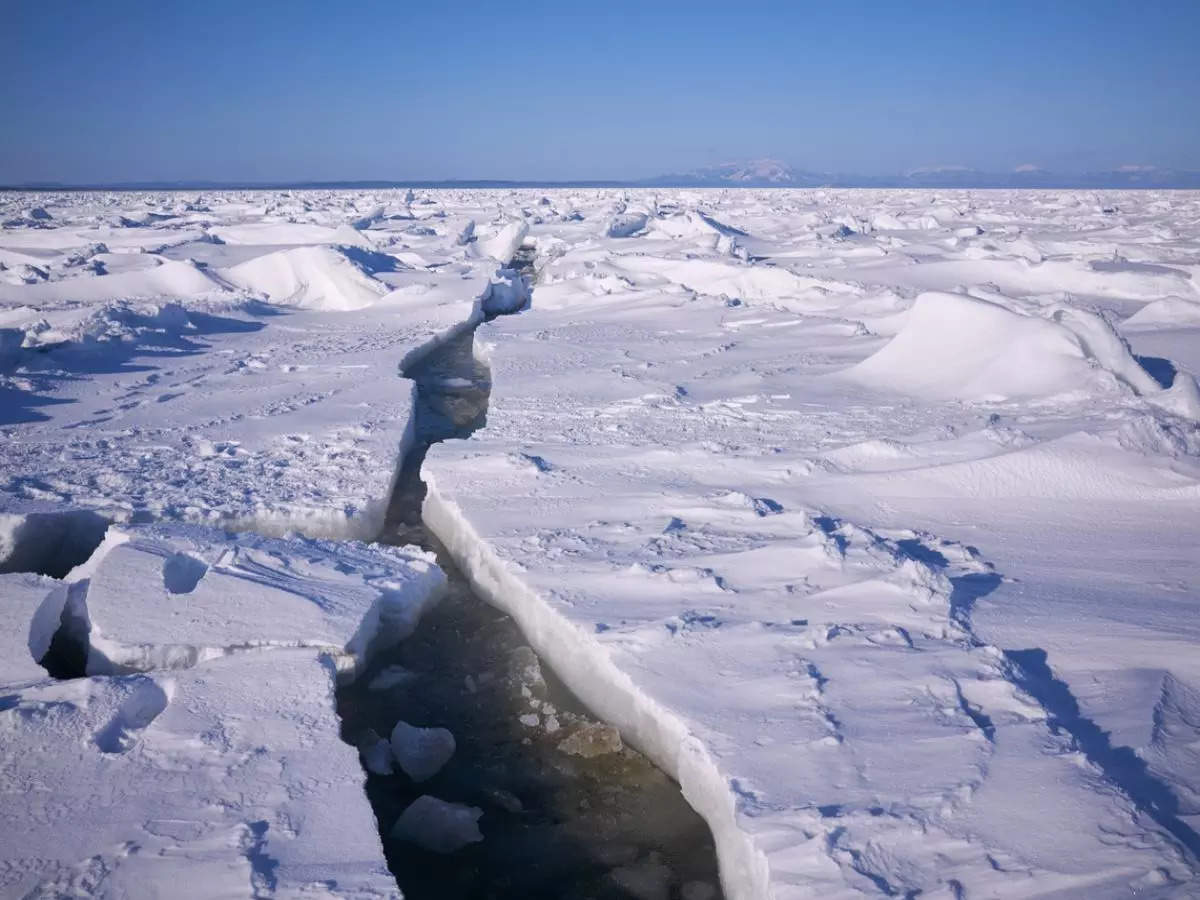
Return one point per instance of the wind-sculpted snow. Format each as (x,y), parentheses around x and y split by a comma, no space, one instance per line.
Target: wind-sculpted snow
(870,516)
(709,489)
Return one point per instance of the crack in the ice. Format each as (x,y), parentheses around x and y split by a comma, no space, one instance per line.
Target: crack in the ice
(1121,765)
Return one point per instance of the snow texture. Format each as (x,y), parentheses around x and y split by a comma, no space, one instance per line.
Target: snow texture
(215,768)
(870,516)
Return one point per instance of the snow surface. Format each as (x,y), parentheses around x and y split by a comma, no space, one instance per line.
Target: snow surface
(871,516)
(843,586)
(204,596)
(217,770)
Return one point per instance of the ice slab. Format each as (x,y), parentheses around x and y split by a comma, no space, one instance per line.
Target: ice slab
(170,596)
(27,625)
(225,780)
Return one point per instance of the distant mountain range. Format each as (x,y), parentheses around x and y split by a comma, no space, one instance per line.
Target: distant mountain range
(773,173)
(754,173)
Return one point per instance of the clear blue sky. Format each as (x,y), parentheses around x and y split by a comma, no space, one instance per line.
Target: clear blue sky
(265,90)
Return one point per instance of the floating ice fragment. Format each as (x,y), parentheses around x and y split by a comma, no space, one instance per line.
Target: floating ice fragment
(421,752)
(593,739)
(376,753)
(437,825)
(526,669)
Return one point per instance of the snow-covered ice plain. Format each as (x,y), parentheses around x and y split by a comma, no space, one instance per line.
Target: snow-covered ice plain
(871,517)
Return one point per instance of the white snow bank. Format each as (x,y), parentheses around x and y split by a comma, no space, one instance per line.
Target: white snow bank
(166,597)
(639,502)
(1076,467)
(238,415)
(228,780)
(311,277)
(958,347)
(743,281)
(167,278)
(276,233)
(1169,312)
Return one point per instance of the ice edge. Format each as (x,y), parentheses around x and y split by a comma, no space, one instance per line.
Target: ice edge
(609,693)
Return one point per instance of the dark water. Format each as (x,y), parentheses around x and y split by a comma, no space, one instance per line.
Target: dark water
(567,811)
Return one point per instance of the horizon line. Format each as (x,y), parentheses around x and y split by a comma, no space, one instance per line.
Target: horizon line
(1160,179)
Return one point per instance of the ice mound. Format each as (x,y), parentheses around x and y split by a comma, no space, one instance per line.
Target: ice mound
(165,278)
(506,293)
(1169,312)
(311,277)
(955,347)
(690,224)
(437,825)
(626,224)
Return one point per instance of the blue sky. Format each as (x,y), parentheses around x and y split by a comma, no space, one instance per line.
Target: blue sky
(265,90)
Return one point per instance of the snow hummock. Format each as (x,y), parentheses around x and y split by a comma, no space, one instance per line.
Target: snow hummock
(956,346)
(311,277)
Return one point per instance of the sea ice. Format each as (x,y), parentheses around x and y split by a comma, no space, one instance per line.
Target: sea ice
(439,826)
(421,752)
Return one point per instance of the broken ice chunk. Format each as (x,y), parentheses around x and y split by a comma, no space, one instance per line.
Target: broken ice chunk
(593,739)
(525,669)
(437,825)
(421,752)
(376,753)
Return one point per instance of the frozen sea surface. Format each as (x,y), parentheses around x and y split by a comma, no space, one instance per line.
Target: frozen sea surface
(869,516)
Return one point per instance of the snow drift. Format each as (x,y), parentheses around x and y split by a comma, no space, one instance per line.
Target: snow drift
(311,277)
(956,347)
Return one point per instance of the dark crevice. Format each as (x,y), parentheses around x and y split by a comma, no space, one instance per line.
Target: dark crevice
(66,657)
(54,543)
(567,810)
(1121,765)
(67,654)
